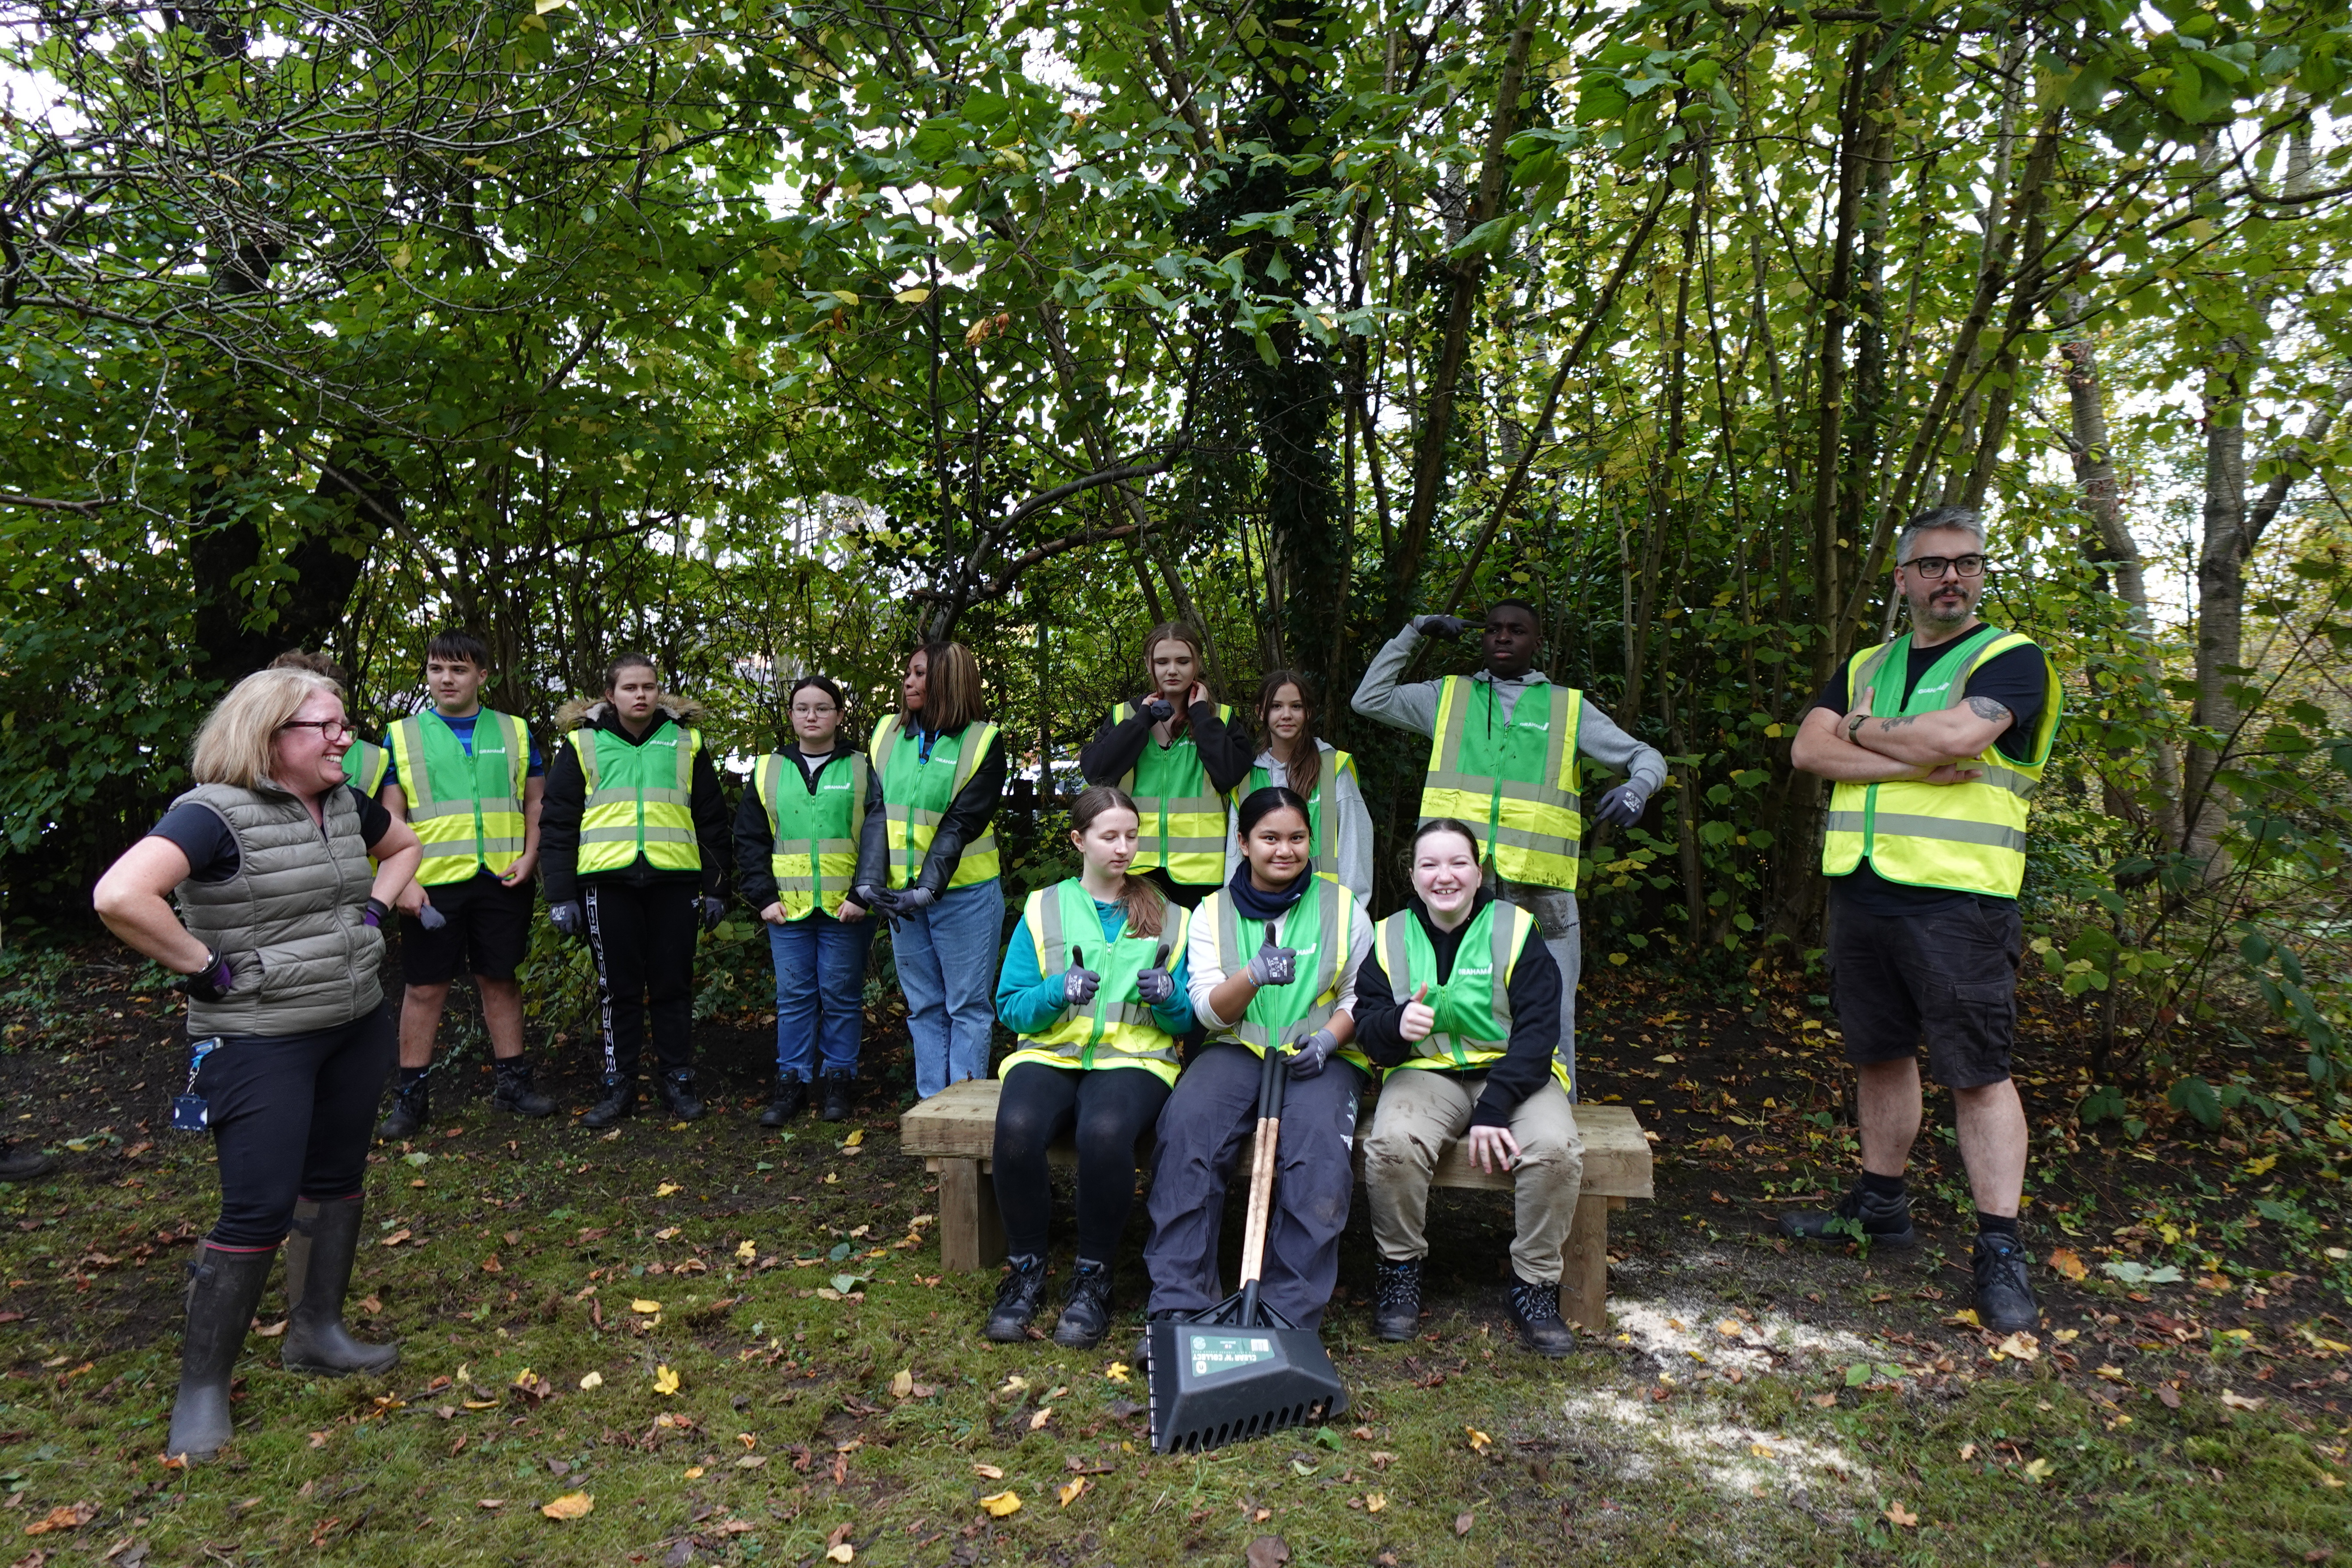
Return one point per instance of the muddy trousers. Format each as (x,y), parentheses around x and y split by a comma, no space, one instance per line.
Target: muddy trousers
(1422,1111)
(1202,1128)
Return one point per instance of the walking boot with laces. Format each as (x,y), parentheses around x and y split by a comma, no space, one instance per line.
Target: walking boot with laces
(619,1099)
(1534,1312)
(412,1107)
(792,1098)
(1017,1299)
(1085,1313)
(2004,1293)
(1884,1221)
(677,1090)
(840,1084)
(316,1340)
(514,1092)
(223,1287)
(1396,1305)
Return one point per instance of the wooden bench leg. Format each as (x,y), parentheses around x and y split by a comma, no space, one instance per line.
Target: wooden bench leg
(1584,1265)
(972,1231)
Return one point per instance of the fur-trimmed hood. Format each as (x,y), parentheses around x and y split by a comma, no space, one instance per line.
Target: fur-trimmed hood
(594,712)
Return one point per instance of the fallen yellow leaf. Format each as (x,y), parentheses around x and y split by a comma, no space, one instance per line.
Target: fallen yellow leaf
(2039,1470)
(855,1139)
(745,1251)
(840,1551)
(1375,1501)
(666,1189)
(2065,1262)
(1038,1421)
(1003,1504)
(2236,1401)
(1071,1492)
(571,1505)
(1117,1371)
(987,1472)
(523,1379)
(665,1380)
(642,1305)
(1899,1515)
(2020,1346)
(1479,1441)
(693,1472)
(594,1380)
(902,1384)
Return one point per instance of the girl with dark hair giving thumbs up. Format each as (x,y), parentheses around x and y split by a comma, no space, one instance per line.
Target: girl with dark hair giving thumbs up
(1459,1001)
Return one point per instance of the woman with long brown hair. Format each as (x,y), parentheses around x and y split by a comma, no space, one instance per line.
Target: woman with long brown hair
(1093,983)
(1296,758)
(937,774)
(1175,750)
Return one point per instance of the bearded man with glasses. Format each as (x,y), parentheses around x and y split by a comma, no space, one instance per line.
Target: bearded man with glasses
(1936,742)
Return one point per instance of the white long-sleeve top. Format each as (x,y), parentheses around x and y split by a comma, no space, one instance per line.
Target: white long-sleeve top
(1201,956)
(1343,795)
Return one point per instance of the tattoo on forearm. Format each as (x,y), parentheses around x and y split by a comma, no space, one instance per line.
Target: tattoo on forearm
(1990,711)
(1888,726)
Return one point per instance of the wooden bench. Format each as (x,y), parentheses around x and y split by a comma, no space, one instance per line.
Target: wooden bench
(954,1134)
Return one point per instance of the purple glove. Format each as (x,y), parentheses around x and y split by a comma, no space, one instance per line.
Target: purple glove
(374,918)
(431,918)
(210,983)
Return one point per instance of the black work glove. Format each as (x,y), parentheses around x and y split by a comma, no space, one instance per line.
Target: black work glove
(1272,965)
(210,983)
(1622,806)
(713,912)
(1079,986)
(1449,627)
(1159,710)
(907,900)
(569,916)
(1307,1057)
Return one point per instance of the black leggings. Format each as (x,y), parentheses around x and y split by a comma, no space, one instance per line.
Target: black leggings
(1111,1107)
(292,1116)
(643,940)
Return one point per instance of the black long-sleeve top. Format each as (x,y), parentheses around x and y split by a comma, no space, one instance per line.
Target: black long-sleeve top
(1226,750)
(755,870)
(1534,994)
(566,800)
(966,819)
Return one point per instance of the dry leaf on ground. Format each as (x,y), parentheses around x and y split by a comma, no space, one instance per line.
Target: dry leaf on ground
(571,1505)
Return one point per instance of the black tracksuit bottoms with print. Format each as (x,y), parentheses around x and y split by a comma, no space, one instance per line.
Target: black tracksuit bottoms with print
(642,939)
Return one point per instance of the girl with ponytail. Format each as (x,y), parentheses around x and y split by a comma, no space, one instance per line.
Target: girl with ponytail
(1094,984)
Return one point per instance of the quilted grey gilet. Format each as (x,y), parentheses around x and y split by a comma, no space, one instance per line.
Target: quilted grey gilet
(291,920)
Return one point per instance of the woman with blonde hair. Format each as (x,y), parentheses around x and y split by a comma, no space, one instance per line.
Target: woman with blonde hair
(937,773)
(1093,983)
(279,957)
(1177,752)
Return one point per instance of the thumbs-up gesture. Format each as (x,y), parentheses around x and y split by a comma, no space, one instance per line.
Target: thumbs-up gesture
(1079,982)
(1418,1017)
(1273,966)
(1155,985)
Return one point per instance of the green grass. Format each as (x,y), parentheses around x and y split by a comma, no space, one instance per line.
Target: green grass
(1471,1443)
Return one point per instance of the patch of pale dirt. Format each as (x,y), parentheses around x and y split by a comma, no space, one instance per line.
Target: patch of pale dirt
(1698,1440)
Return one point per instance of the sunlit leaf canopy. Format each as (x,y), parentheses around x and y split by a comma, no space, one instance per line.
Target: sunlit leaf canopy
(774,338)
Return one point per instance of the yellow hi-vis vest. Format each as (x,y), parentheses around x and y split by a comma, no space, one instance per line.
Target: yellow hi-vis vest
(1515,783)
(1117,1028)
(814,832)
(640,799)
(1318,927)
(1473,1029)
(1182,816)
(1970,837)
(466,810)
(364,763)
(916,796)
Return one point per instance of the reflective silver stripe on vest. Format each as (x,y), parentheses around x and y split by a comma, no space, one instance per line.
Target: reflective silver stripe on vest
(1233,958)
(1903,825)
(1052,958)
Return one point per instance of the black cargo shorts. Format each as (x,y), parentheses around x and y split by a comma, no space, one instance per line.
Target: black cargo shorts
(1950,977)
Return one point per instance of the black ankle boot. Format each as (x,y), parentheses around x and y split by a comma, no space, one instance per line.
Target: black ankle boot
(223,1287)
(1017,1301)
(676,1090)
(1882,1221)
(1534,1312)
(1396,1308)
(412,1107)
(619,1100)
(316,1340)
(514,1090)
(792,1098)
(2004,1297)
(1085,1314)
(24,1164)
(839,1085)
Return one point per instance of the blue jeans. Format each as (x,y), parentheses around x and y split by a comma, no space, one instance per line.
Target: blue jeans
(947,967)
(820,992)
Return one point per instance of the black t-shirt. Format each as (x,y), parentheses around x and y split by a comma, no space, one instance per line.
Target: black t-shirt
(211,848)
(2016,680)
